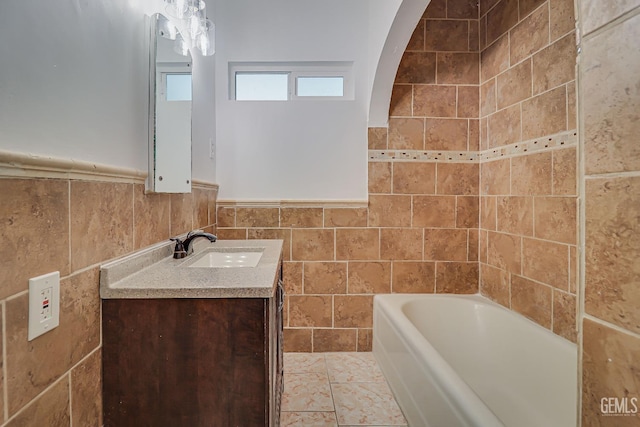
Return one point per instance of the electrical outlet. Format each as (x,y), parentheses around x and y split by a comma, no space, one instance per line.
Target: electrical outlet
(44,304)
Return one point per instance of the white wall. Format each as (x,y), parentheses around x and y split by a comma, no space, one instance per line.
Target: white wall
(304,150)
(74,82)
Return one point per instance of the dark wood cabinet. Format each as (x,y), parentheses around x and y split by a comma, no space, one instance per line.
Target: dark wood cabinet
(192,362)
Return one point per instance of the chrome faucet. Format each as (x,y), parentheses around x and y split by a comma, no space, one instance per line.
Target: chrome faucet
(184,248)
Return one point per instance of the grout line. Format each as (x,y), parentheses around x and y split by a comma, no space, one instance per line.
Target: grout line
(70,400)
(5,385)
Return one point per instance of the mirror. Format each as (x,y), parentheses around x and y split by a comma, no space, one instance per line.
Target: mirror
(170,92)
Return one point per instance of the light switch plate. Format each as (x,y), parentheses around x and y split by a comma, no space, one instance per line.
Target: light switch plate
(44,304)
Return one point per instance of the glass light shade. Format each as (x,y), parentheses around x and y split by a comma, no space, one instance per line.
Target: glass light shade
(181,46)
(166,28)
(206,41)
(196,23)
(177,8)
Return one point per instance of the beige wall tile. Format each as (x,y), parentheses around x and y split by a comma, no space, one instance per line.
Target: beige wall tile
(226,216)
(446,134)
(353,311)
(292,277)
(301,217)
(434,211)
(400,105)
(612,109)
(462,9)
(546,262)
(501,18)
(446,35)
(458,178)
(101,222)
(488,98)
(414,277)
(484,134)
(556,219)
(514,85)
(445,244)
(417,67)
(379,178)
(401,244)
(365,339)
(434,100)
(525,7)
(596,13)
(473,253)
(612,250)
(610,368)
(530,35)
(545,114)
(488,212)
(181,213)
(474,135)
(416,42)
(564,171)
(406,134)
(413,178)
(326,340)
(494,284)
(357,243)
(152,217)
(298,340)
(377,137)
(515,215)
(561,17)
(496,177)
(573,269)
(495,58)
(467,212)
(505,126)
(564,315)
(34,225)
(86,391)
(572,115)
(51,409)
(369,277)
(504,252)
(232,233)
(273,233)
(389,211)
(555,65)
(483,255)
(257,217)
(468,101)
(485,5)
(436,9)
(34,365)
(325,277)
(457,277)
(200,208)
(312,244)
(532,300)
(531,174)
(483,32)
(212,196)
(346,217)
(458,68)
(310,311)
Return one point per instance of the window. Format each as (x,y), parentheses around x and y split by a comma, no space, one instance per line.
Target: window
(290,81)
(178,86)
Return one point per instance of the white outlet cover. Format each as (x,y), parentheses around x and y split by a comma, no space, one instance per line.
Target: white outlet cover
(49,285)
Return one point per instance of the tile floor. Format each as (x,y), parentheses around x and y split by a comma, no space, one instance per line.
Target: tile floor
(336,389)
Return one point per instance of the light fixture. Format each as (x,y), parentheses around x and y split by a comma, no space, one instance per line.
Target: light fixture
(189,26)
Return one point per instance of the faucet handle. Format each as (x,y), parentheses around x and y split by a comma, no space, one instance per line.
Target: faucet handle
(179,251)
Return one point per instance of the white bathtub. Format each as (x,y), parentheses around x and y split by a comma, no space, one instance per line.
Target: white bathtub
(462,360)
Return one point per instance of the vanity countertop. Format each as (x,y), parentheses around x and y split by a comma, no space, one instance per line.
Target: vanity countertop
(153,273)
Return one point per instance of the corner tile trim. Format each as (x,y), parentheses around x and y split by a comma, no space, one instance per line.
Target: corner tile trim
(546,143)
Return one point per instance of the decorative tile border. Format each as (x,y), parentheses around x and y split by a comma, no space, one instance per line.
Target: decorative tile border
(560,140)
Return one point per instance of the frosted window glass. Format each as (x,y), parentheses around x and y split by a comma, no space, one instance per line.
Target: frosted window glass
(178,87)
(320,86)
(262,86)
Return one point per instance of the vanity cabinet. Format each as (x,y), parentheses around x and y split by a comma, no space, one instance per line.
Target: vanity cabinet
(193,362)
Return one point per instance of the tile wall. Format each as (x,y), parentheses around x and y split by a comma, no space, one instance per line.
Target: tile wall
(419,232)
(610,125)
(528,199)
(72,226)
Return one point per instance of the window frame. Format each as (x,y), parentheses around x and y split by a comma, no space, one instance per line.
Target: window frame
(294,70)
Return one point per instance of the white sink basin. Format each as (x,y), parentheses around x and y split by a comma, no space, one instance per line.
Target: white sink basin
(214,259)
